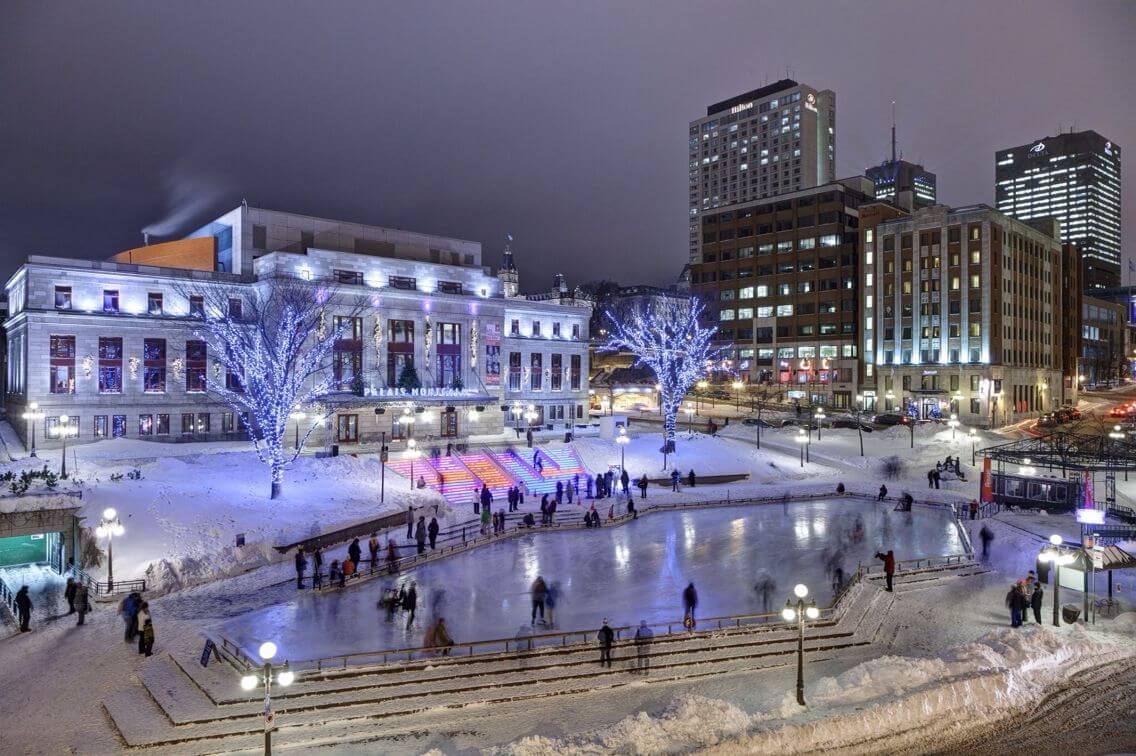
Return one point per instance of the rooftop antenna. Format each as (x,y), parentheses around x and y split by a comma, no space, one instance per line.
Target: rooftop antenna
(145,238)
(893,131)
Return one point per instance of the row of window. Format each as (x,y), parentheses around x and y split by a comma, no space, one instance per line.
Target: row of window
(155,303)
(157,424)
(536,372)
(109,366)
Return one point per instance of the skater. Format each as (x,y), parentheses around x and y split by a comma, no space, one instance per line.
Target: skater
(335,574)
(544,509)
(839,488)
(392,557)
(486,498)
(690,478)
(442,637)
(476,501)
(631,509)
(409,523)
(625,481)
(539,594)
(373,550)
(689,600)
(765,587)
(643,486)
(354,552)
(937,477)
(568,490)
(609,483)
(883,493)
(432,532)
(643,638)
(147,644)
(674,480)
(987,536)
(606,637)
(82,602)
(348,569)
(889,565)
(511,497)
(559,492)
(24,608)
(410,604)
(317,567)
(301,565)
(69,594)
(485,512)
(930,479)
(550,602)
(974,509)
(420,534)
(552,513)
(1035,601)
(143,619)
(576,484)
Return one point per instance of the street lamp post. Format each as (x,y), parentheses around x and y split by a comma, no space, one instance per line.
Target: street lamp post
(799,613)
(702,386)
(819,416)
(298,416)
(412,452)
(31,417)
(1057,557)
(383,453)
(803,440)
(737,386)
(973,446)
(109,527)
(622,439)
(859,423)
(954,423)
(62,431)
(689,420)
(265,676)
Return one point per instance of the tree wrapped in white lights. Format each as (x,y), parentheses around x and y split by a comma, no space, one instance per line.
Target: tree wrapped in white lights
(272,356)
(664,335)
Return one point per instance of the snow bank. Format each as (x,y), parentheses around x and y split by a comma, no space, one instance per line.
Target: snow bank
(911,701)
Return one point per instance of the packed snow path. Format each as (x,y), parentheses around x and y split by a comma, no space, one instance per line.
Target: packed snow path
(633,572)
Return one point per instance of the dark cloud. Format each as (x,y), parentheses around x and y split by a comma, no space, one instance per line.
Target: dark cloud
(562,123)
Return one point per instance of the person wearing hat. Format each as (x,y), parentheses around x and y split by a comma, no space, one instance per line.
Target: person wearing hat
(643,638)
(606,637)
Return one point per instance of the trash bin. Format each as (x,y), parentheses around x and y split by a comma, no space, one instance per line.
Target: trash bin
(1070,613)
(335,450)
(568,437)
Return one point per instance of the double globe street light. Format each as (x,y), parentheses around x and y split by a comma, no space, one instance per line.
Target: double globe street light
(800,612)
(623,440)
(109,527)
(1057,556)
(265,676)
(32,416)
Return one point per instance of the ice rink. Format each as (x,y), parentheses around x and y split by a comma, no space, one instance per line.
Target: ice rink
(636,571)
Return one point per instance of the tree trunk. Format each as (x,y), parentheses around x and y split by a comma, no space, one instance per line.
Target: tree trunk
(277,468)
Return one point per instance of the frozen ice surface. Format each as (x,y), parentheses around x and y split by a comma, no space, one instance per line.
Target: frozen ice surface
(636,571)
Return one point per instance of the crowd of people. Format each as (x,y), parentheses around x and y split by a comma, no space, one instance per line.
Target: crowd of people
(1024,595)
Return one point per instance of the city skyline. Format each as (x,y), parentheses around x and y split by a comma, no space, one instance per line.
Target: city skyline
(172,140)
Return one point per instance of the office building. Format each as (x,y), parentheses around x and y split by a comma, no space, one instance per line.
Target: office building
(112,345)
(779,279)
(902,183)
(769,141)
(962,314)
(1074,177)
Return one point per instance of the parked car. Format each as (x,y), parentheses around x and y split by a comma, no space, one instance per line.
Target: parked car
(1048,421)
(763,422)
(850,422)
(888,419)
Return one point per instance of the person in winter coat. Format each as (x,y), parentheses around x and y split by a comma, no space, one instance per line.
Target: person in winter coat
(1017,602)
(477,501)
(674,480)
(643,638)
(442,637)
(486,498)
(69,594)
(987,536)
(392,557)
(689,600)
(609,481)
(631,510)
(317,567)
(420,534)
(883,493)
(146,645)
(889,565)
(839,488)
(938,476)
(335,574)
(24,608)
(643,486)
(625,481)
(348,568)
(539,593)
(354,552)
(485,512)
(373,550)
(559,492)
(529,520)
(568,490)
(129,608)
(409,523)
(550,602)
(301,565)
(930,479)
(1035,601)
(690,478)
(588,488)
(410,604)
(82,602)
(974,509)
(432,532)
(143,618)
(544,509)
(606,637)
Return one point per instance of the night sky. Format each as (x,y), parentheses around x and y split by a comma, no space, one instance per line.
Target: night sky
(562,123)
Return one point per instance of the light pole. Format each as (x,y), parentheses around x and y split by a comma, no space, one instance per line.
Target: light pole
(32,416)
(803,440)
(108,528)
(1057,557)
(702,386)
(799,613)
(297,416)
(530,415)
(954,423)
(62,431)
(890,396)
(973,446)
(859,423)
(819,417)
(737,387)
(759,420)
(264,676)
(689,420)
(623,440)
(412,452)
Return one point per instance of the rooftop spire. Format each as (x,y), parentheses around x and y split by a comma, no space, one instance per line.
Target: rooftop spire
(893,131)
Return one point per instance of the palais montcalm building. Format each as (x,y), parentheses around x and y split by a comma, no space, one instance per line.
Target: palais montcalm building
(116,347)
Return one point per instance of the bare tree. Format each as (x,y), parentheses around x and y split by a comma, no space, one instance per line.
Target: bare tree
(272,345)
